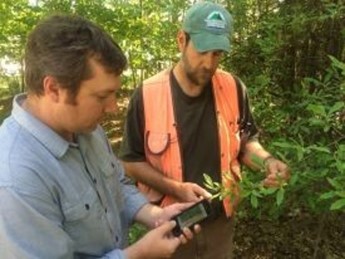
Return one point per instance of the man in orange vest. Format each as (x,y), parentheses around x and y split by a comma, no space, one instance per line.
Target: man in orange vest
(195,119)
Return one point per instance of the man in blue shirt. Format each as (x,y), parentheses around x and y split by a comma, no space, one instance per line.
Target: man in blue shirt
(63,193)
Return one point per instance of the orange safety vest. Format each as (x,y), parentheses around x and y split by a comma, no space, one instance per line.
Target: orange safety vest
(162,148)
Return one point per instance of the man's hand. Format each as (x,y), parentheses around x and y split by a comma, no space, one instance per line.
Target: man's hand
(170,211)
(190,192)
(153,216)
(158,243)
(277,172)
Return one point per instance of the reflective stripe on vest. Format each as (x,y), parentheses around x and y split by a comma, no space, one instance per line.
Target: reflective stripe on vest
(162,148)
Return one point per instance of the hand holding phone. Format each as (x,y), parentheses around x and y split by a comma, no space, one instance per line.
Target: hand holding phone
(195,214)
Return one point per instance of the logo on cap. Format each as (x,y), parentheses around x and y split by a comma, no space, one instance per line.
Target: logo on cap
(215,20)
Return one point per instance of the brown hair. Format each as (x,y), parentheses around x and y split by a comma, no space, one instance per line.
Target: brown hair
(61,46)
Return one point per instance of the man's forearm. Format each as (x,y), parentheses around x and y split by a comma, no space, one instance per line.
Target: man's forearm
(148,215)
(254,155)
(145,173)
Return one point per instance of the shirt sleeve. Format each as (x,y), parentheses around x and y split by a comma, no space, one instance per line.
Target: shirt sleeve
(132,146)
(26,233)
(134,199)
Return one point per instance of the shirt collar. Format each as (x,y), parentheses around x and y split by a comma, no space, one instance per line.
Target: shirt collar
(43,133)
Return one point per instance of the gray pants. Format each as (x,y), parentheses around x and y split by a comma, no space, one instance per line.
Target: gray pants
(215,241)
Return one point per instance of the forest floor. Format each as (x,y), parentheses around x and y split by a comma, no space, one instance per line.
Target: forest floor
(297,237)
(302,236)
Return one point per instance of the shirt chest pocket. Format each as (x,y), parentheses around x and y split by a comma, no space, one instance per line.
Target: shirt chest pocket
(84,217)
(111,180)
(157,143)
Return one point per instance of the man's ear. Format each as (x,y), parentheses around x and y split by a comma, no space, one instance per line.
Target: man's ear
(181,40)
(51,88)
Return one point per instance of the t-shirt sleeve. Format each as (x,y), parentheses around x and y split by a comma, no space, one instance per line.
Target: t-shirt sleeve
(247,122)
(132,146)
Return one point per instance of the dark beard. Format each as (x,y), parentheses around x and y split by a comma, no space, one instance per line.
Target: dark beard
(191,75)
(195,80)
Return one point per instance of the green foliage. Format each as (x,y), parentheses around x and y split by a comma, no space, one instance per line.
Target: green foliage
(255,197)
(146,30)
(290,54)
(9,86)
(136,232)
(309,134)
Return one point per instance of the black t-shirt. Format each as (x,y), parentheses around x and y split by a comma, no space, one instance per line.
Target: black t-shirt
(196,127)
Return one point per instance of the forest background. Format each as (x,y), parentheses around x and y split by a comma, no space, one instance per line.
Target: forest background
(289,53)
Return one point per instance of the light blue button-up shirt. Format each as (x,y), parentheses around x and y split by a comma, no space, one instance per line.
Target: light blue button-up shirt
(59,199)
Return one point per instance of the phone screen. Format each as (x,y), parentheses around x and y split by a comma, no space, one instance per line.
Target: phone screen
(192,215)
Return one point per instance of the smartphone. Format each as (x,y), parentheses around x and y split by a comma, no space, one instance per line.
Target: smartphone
(191,216)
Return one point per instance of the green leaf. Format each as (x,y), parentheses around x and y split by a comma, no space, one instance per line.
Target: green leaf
(208,179)
(268,191)
(321,149)
(336,107)
(300,153)
(254,201)
(317,109)
(280,196)
(283,144)
(293,179)
(338,204)
(337,63)
(217,195)
(316,122)
(340,194)
(256,193)
(327,195)
(335,184)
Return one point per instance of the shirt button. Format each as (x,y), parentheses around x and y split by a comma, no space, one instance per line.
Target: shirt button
(94,180)
(116,238)
(106,210)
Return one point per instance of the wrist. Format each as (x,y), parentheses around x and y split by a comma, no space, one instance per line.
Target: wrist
(176,189)
(134,251)
(267,160)
(155,215)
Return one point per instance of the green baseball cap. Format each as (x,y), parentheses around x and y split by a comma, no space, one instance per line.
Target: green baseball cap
(209,26)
